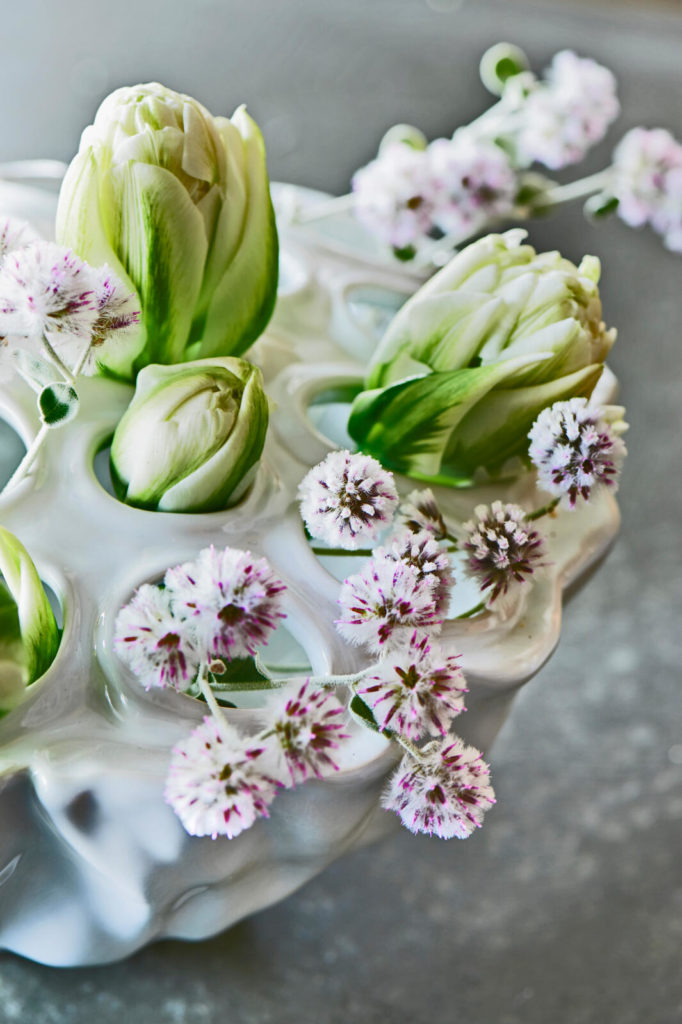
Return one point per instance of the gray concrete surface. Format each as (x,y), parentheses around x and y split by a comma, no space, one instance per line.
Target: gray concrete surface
(567,907)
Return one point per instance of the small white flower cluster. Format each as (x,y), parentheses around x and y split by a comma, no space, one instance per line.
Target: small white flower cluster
(453,186)
(216,608)
(220,781)
(50,297)
(503,550)
(567,113)
(575,451)
(458,186)
(647,182)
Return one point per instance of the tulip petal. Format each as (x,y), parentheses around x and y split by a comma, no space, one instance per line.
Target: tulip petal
(497,428)
(81,225)
(37,625)
(245,297)
(161,237)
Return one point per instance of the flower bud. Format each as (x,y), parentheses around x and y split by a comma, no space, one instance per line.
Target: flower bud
(474,356)
(29,637)
(190,436)
(177,203)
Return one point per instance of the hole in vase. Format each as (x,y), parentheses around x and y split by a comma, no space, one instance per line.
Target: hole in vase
(328,412)
(12,450)
(372,308)
(101,467)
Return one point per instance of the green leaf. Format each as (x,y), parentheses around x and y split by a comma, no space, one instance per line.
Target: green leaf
(600,206)
(58,404)
(358,708)
(407,426)
(497,428)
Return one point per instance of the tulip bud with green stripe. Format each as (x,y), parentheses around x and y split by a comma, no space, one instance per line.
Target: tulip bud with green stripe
(29,636)
(191,437)
(177,203)
(470,361)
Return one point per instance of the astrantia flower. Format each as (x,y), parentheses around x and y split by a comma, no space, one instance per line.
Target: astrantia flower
(446,793)
(117,311)
(647,181)
(347,500)
(383,605)
(158,646)
(233,598)
(394,195)
(46,290)
(306,726)
(575,451)
(567,113)
(502,548)
(417,690)
(423,552)
(15,234)
(419,511)
(474,183)
(215,782)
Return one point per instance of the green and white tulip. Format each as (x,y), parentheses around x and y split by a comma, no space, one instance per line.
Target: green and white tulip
(474,356)
(29,636)
(192,436)
(177,203)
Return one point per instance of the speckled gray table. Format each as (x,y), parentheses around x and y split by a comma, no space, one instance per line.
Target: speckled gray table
(567,907)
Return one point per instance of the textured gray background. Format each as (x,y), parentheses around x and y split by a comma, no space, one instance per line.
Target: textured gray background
(567,907)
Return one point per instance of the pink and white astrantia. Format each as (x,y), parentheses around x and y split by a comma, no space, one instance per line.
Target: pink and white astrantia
(347,500)
(306,726)
(233,599)
(416,691)
(575,451)
(382,606)
(158,646)
(445,793)
(218,781)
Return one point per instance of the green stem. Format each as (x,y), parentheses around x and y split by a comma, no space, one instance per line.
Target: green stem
(362,552)
(543,510)
(577,189)
(480,607)
(54,358)
(209,696)
(411,748)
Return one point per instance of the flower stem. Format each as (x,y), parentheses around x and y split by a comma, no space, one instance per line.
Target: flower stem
(577,189)
(81,359)
(362,552)
(209,695)
(54,358)
(544,510)
(411,748)
(28,459)
(480,607)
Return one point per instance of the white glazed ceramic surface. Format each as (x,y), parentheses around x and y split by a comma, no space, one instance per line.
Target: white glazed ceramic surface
(93,864)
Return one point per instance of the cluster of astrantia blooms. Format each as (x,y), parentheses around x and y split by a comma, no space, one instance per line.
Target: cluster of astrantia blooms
(220,781)
(213,609)
(53,302)
(503,549)
(575,451)
(456,186)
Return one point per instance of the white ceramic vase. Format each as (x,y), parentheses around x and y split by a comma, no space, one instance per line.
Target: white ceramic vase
(93,863)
